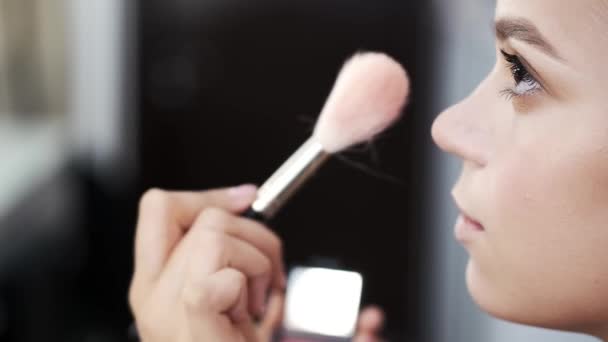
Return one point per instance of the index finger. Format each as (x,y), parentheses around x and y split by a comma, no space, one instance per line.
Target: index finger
(164,218)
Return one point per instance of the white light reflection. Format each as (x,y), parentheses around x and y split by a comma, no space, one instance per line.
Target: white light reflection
(323,301)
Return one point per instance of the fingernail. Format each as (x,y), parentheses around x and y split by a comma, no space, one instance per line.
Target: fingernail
(243,192)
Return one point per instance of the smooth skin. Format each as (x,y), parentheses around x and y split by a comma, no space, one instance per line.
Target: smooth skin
(535,170)
(535,176)
(202,272)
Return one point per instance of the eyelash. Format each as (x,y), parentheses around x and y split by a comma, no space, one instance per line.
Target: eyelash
(525,83)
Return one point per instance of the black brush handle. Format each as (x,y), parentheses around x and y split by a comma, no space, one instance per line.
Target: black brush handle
(254,215)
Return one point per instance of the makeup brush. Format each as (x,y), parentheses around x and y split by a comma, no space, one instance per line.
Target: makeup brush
(367,97)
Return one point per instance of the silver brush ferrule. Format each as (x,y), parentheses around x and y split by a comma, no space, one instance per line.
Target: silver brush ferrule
(288,178)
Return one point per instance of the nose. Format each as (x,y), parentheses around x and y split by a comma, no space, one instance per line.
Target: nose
(465,129)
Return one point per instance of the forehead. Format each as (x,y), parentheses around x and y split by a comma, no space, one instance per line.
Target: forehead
(577,29)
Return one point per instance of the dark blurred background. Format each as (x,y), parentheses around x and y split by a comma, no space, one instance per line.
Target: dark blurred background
(192,95)
(230,89)
(101,100)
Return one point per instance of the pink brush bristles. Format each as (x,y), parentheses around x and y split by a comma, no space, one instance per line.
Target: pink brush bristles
(367,98)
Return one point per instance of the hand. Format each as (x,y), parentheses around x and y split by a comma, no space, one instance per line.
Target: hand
(371,321)
(202,273)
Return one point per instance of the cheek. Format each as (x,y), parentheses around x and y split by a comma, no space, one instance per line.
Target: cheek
(545,259)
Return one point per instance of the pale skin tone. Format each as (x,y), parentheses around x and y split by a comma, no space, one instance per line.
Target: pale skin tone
(202,272)
(534,176)
(535,168)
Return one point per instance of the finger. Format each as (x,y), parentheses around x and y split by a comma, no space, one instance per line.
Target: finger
(256,235)
(222,223)
(238,311)
(258,287)
(371,321)
(220,300)
(223,293)
(217,219)
(206,252)
(165,216)
(273,317)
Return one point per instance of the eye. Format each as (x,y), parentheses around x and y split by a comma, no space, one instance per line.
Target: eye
(525,83)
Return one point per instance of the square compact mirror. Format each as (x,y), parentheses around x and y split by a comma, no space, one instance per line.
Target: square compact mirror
(321,305)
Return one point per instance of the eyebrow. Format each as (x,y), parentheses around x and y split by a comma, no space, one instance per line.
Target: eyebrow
(525,31)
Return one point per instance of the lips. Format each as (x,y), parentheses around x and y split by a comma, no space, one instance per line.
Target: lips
(471,222)
(467,218)
(467,228)
(464,214)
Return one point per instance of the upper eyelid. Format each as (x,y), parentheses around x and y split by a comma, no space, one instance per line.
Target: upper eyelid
(533,73)
(556,77)
(513,59)
(529,68)
(506,55)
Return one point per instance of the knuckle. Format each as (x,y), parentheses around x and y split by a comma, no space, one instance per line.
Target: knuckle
(213,246)
(239,281)
(145,317)
(234,283)
(137,299)
(277,245)
(214,218)
(211,295)
(213,241)
(264,268)
(195,296)
(147,323)
(240,278)
(154,199)
(133,299)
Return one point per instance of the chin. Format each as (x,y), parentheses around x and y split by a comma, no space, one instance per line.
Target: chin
(520,307)
(487,297)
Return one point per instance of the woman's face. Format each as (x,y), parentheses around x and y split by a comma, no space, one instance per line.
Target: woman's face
(533,138)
